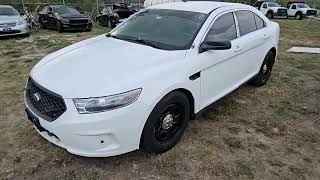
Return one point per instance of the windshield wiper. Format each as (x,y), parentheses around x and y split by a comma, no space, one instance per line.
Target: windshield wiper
(137,40)
(145,42)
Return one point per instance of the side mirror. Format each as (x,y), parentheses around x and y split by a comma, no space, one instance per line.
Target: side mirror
(221,45)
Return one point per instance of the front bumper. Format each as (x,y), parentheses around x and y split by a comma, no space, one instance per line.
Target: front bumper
(95,135)
(14,31)
(70,26)
(280,15)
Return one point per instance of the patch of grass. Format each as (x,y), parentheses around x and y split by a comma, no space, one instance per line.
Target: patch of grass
(262,146)
(276,162)
(13,53)
(233,142)
(234,130)
(243,169)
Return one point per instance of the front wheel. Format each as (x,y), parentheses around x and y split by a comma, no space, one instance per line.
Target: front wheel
(298,16)
(59,27)
(265,71)
(269,15)
(166,123)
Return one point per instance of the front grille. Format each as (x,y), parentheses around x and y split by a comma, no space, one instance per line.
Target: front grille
(311,12)
(282,11)
(79,21)
(10,32)
(43,102)
(6,25)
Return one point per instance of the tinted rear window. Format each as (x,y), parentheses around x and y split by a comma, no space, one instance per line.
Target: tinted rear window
(246,22)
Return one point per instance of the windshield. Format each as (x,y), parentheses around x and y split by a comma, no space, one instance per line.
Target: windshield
(166,29)
(65,10)
(8,11)
(303,6)
(273,4)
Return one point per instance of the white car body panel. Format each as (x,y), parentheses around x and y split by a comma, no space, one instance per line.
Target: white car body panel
(104,66)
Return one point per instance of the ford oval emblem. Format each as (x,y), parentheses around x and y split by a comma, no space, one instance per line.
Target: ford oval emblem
(36,97)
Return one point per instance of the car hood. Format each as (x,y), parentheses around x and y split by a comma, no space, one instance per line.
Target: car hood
(306,9)
(277,8)
(100,66)
(10,19)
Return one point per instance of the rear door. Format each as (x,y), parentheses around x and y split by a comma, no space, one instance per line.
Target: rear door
(252,40)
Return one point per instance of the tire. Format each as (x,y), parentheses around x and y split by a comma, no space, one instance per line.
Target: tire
(265,70)
(59,27)
(298,16)
(166,123)
(269,15)
(109,23)
(42,25)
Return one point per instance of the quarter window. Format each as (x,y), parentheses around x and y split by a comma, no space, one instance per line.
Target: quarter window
(246,22)
(223,29)
(259,22)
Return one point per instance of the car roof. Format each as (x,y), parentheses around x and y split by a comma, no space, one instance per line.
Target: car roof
(196,6)
(6,6)
(56,6)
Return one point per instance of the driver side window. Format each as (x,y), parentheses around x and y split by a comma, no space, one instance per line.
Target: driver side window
(223,29)
(294,7)
(264,6)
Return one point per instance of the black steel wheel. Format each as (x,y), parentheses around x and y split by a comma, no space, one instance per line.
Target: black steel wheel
(265,71)
(166,123)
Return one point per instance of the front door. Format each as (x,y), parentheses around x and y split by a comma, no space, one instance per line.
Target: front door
(219,71)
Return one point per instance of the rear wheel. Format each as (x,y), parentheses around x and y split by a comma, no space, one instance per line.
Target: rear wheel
(166,123)
(265,71)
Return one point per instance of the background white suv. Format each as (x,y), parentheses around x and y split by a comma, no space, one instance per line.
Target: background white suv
(138,86)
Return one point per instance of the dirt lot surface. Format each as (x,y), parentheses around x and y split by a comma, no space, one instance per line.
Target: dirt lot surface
(271,132)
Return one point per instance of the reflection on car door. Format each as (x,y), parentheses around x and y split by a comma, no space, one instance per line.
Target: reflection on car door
(220,69)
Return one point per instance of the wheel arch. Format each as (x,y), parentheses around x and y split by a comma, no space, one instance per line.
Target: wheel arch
(190,97)
(298,12)
(274,51)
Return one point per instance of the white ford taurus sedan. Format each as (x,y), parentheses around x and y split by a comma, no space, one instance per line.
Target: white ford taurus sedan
(137,86)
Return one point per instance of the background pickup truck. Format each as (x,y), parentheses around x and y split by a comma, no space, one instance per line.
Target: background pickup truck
(299,9)
(271,9)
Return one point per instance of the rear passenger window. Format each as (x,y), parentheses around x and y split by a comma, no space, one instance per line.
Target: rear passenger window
(259,22)
(223,29)
(246,22)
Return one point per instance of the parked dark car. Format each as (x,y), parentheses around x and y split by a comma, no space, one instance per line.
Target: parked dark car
(135,8)
(111,16)
(61,18)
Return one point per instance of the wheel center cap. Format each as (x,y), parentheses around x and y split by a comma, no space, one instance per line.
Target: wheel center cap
(265,68)
(167,122)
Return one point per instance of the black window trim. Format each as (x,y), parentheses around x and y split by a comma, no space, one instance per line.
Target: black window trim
(236,21)
(214,20)
(253,13)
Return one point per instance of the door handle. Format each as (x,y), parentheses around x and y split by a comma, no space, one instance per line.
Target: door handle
(265,36)
(237,48)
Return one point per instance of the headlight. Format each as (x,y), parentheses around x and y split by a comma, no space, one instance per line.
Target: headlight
(65,20)
(21,22)
(100,104)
